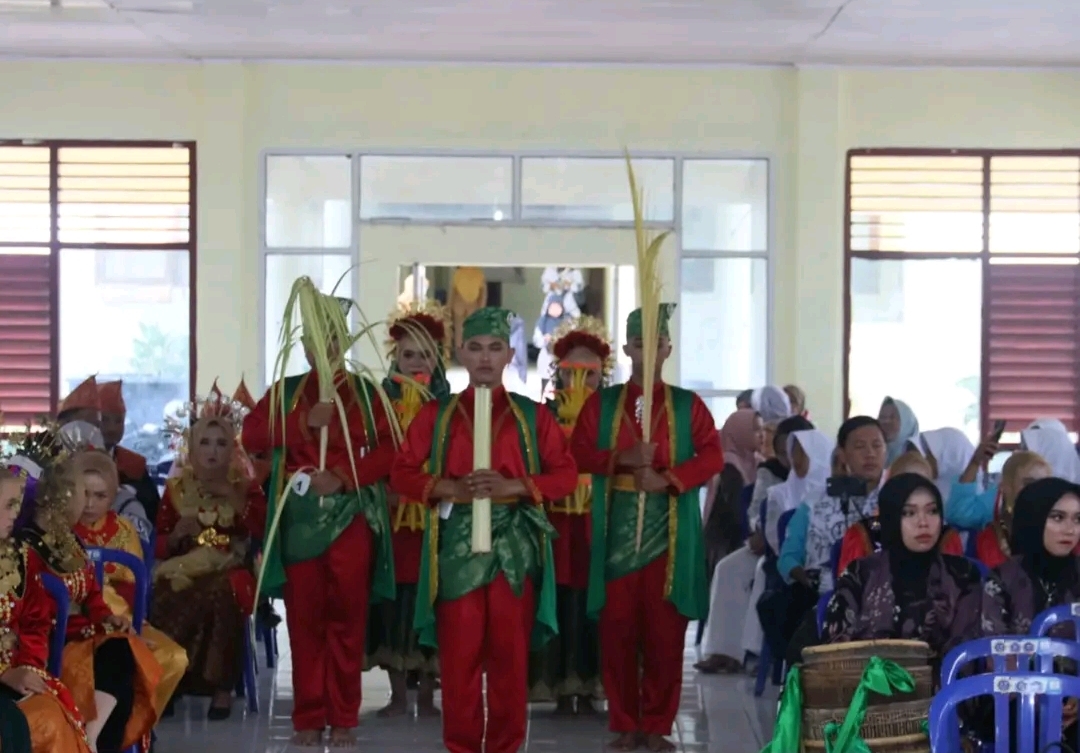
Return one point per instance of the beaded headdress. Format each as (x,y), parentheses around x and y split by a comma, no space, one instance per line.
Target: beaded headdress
(215,405)
(427,318)
(584,332)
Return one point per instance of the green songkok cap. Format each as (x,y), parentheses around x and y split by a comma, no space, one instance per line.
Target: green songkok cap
(488,322)
(634,326)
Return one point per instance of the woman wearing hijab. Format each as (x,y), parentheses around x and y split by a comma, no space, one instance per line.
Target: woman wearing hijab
(735,576)
(1049,438)
(741,438)
(1042,572)
(948,451)
(910,589)
(811,453)
(900,425)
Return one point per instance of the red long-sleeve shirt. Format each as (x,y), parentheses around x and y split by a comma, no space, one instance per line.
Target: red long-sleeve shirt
(558,475)
(707,461)
(373,457)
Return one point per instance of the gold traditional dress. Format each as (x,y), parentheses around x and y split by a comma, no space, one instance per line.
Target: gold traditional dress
(114,532)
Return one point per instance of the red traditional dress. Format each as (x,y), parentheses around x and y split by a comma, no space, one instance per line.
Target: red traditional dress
(485,605)
(114,532)
(329,558)
(645,598)
(26,619)
(87,631)
(393,643)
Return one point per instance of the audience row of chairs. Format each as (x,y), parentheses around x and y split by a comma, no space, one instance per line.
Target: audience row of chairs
(1021,672)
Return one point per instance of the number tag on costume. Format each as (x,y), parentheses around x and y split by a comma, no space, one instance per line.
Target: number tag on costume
(445,508)
(301,483)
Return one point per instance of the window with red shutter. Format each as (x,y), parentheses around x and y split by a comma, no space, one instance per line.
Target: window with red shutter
(963,285)
(97,249)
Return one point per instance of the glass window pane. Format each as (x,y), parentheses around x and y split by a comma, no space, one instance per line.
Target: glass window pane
(126,315)
(916,335)
(721,406)
(596,189)
(282,270)
(926,204)
(724,323)
(436,188)
(24,194)
(1035,205)
(308,201)
(725,205)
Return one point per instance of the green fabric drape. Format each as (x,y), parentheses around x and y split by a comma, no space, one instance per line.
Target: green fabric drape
(881,676)
(787,732)
(521,539)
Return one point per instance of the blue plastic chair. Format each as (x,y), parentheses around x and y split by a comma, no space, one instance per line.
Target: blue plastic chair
(822,608)
(834,557)
(984,571)
(247,688)
(1054,616)
(100,556)
(1035,692)
(59,593)
(1031,653)
(765,659)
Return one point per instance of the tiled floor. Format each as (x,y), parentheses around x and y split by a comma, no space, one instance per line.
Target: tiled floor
(717,715)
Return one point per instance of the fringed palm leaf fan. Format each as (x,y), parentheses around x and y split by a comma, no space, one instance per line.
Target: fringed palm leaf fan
(324,335)
(650,293)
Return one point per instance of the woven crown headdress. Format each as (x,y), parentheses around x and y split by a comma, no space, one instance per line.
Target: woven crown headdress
(426,319)
(585,332)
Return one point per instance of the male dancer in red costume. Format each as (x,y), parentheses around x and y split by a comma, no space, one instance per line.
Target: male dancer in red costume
(331,554)
(485,604)
(130,465)
(644,596)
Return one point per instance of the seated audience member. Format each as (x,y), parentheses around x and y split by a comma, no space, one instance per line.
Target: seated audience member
(864,538)
(798,400)
(900,425)
(811,453)
(37,712)
(949,452)
(819,523)
(99,526)
(741,438)
(111,672)
(130,465)
(967,506)
(1042,572)
(204,584)
(992,545)
(1049,438)
(910,589)
(734,576)
(744,400)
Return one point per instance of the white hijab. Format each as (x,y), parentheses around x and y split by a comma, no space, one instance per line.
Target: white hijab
(1049,438)
(794,491)
(952,452)
(772,403)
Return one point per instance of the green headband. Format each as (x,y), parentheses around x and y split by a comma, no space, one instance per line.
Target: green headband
(634,325)
(488,322)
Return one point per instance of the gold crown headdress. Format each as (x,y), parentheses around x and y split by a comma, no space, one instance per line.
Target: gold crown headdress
(427,319)
(215,405)
(584,332)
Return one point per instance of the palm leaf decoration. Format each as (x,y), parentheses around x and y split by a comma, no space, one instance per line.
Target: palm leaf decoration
(650,294)
(323,333)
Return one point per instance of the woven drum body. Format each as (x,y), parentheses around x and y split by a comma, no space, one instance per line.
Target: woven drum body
(854,655)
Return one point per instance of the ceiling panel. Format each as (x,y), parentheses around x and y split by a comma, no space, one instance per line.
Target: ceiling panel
(1001,32)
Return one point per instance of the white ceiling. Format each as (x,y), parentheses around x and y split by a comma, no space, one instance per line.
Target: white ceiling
(887,32)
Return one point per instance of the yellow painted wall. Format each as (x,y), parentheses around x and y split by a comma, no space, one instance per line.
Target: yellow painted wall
(803,119)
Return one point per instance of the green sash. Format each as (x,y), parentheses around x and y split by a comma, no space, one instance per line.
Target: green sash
(307,529)
(520,539)
(686,580)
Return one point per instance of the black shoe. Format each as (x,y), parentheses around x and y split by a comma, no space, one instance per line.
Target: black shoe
(219,715)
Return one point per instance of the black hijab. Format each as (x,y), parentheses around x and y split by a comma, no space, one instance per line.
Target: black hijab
(910,570)
(1051,575)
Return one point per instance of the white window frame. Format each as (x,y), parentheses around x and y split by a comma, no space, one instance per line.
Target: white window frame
(516,221)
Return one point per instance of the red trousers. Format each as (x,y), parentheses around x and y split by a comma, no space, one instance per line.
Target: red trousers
(486,630)
(638,621)
(326,606)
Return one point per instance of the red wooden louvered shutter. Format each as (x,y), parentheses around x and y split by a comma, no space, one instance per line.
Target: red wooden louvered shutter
(1033,343)
(25,337)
